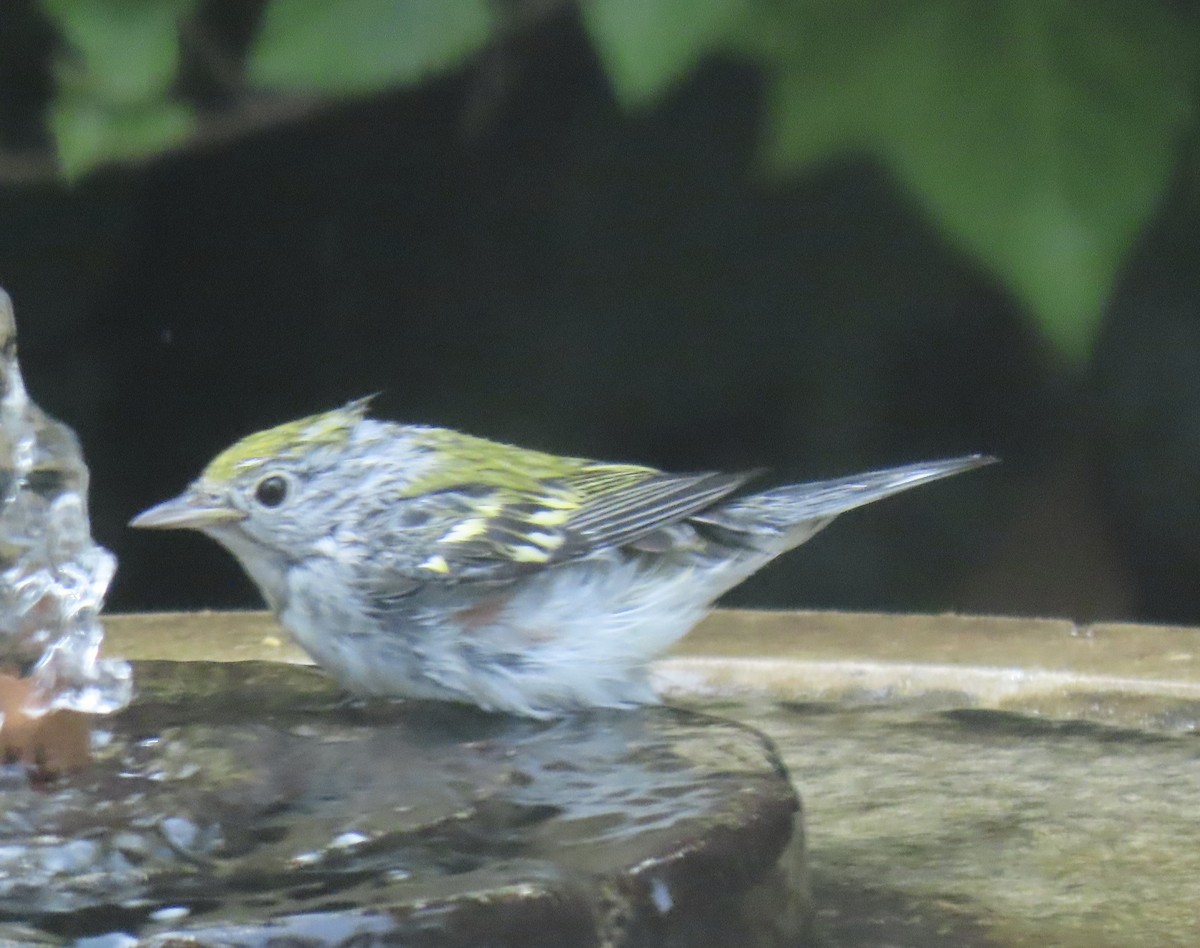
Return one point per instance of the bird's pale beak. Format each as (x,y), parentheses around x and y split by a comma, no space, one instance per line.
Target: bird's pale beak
(191,510)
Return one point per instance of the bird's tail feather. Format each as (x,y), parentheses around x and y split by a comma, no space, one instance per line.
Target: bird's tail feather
(782,509)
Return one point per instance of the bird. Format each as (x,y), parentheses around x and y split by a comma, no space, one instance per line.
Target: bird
(412,561)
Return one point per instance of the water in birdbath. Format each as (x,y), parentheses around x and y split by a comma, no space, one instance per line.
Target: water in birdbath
(247,804)
(54,576)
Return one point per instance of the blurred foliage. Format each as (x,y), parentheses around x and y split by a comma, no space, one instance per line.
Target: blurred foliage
(1039,133)
(115,76)
(349,46)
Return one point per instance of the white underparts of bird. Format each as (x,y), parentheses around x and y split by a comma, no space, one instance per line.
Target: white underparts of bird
(418,562)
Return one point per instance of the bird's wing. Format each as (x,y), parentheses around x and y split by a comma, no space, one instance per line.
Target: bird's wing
(485,531)
(618,508)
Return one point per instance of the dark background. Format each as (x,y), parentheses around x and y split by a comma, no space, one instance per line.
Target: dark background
(537,265)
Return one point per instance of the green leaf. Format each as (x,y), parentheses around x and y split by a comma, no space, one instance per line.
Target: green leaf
(648,46)
(114,80)
(348,46)
(123,52)
(89,133)
(1039,133)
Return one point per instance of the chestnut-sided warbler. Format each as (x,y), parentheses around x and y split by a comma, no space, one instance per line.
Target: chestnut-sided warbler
(420,562)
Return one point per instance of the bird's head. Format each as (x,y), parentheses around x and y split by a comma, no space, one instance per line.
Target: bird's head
(274,495)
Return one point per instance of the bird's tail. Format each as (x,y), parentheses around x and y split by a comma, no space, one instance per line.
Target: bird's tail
(797,511)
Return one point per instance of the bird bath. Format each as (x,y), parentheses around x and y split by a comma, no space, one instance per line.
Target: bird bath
(975,781)
(967,782)
(248,804)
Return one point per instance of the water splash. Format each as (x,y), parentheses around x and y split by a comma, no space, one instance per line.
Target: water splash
(54,577)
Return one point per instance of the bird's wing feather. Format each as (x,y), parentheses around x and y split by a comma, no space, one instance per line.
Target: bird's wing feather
(616,517)
(486,532)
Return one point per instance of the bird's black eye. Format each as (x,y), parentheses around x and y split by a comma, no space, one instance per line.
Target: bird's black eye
(271,491)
